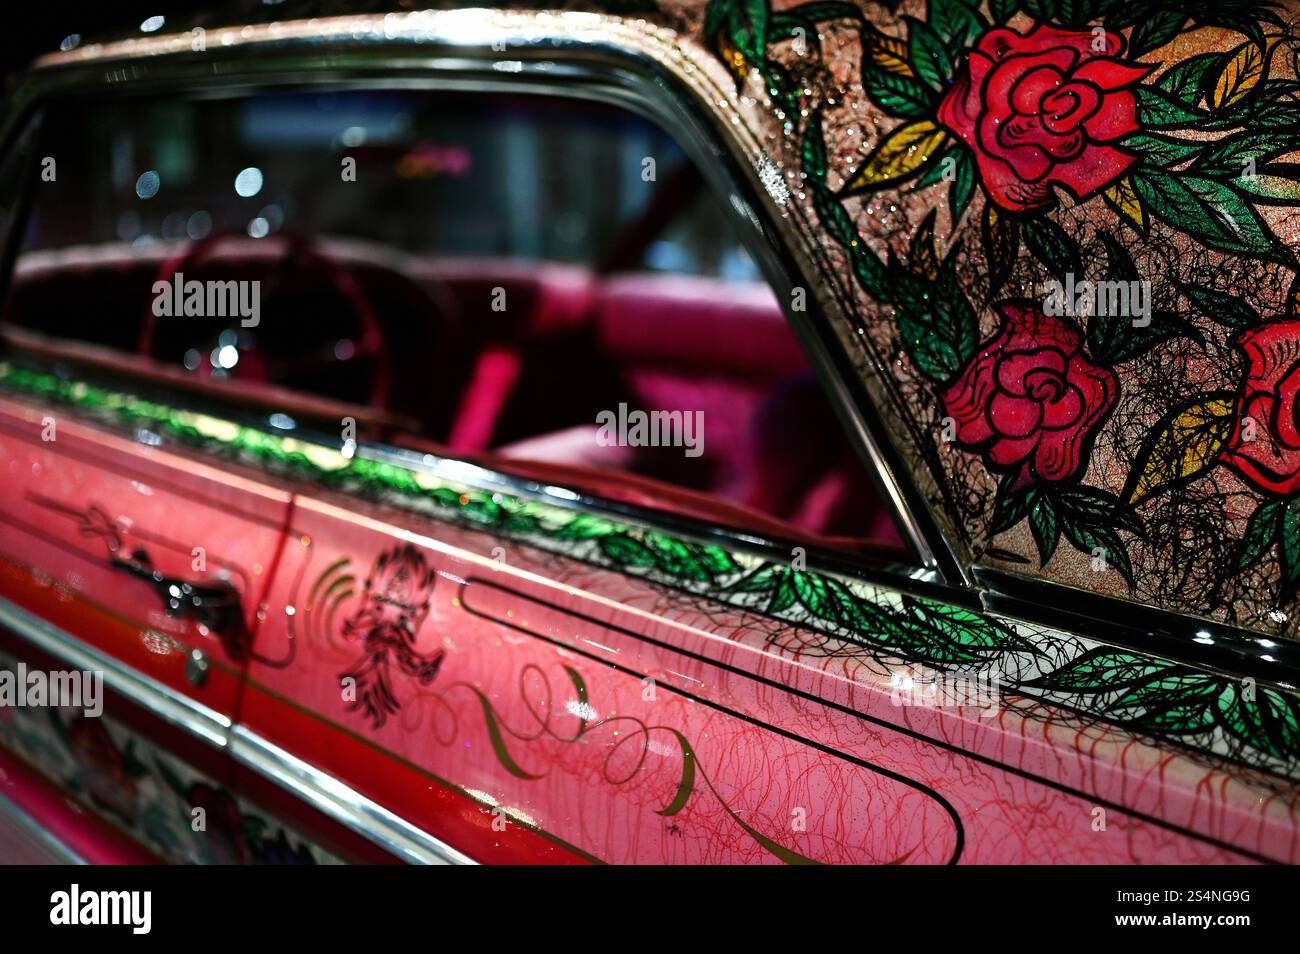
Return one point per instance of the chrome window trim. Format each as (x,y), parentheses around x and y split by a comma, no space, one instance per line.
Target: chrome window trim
(543,55)
(340,802)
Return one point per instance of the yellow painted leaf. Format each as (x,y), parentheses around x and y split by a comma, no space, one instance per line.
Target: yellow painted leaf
(1241,74)
(1188,444)
(889,53)
(924,260)
(899,155)
(1001,244)
(1124,198)
(733,58)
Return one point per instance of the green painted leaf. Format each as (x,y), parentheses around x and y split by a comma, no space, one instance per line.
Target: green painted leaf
(585,527)
(936,321)
(763,580)
(963,185)
(1091,539)
(1180,701)
(1157,109)
(1162,150)
(934,358)
(1003,10)
(1288,540)
(1012,506)
(1113,338)
(675,557)
(785,594)
(1227,310)
(955,319)
(806,17)
(858,614)
(1119,264)
(1270,722)
(1164,326)
(1045,526)
(1191,715)
(946,635)
(934,173)
(1229,156)
(1095,507)
(1208,210)
(1155,31)
(627,551)
(1185,82)
(814,149)
(1043,10)
(1277,183)
(1049,243)
(1262,532)
(956,22)
(930,58)
(715,560)
(814,595)
(1101,670)
(897,95)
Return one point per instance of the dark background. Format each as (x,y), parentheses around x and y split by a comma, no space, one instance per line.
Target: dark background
(34,27)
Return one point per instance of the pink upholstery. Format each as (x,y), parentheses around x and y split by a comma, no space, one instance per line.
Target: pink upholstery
(727,350)
(680,321)
(495,373)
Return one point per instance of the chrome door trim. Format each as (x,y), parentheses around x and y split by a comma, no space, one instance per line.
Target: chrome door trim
(334,799)
(168,705)
(41,836)
(346,805)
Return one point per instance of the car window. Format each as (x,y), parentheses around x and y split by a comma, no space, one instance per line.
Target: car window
(542,285)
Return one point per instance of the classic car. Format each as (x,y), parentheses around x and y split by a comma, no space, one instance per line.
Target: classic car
(654,431)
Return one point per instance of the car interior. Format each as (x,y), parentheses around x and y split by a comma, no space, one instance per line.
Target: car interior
(467,290)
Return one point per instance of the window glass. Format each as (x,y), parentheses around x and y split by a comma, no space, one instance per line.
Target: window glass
(543,285)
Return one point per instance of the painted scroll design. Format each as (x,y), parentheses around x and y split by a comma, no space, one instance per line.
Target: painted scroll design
(629,730)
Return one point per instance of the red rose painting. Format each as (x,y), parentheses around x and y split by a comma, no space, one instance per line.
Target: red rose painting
(1030,400)
(1264,448)
(1043,109)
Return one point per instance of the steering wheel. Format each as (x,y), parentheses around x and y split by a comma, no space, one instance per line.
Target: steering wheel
(267,360)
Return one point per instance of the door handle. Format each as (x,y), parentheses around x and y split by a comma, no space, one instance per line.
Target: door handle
(213,604)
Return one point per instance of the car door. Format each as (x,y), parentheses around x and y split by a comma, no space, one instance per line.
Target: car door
(531,660)
(133,576)
(124,559)
(543,616)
